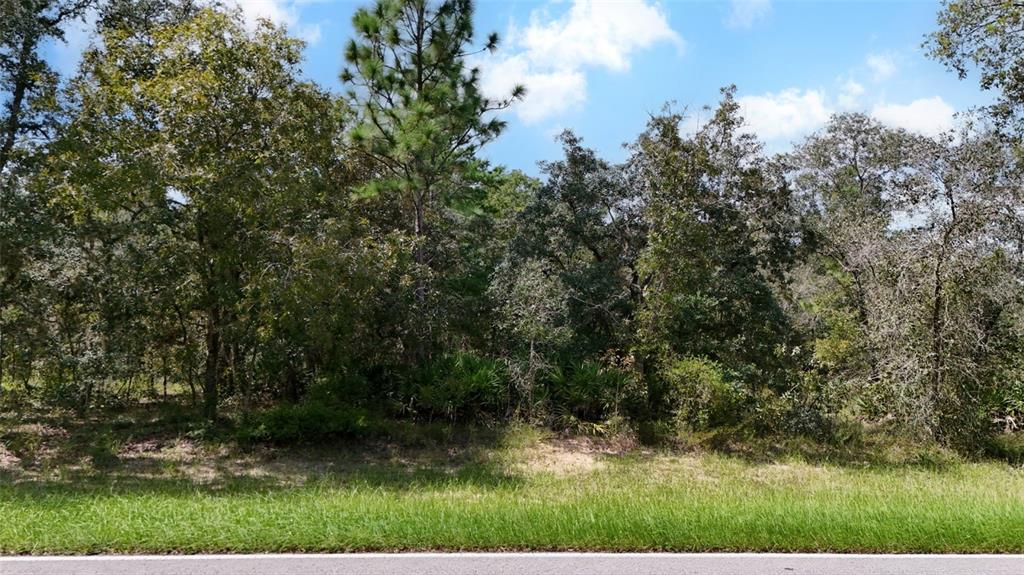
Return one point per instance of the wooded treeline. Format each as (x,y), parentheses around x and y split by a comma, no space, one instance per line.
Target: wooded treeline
(188,212)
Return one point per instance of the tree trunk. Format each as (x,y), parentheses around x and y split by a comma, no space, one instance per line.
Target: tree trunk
(938,301)
(419,253)
(21,83)
(214,363)
(422,336)
(192,381)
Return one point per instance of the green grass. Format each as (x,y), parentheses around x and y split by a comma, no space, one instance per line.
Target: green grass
(518,491)
(704,504)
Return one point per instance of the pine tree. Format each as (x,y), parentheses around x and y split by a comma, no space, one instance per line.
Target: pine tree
(423,116)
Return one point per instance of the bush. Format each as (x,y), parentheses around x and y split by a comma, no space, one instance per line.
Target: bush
(702,394)
(13,397)
(795,412)
(585,395)
(1006,446)
(305,422)
(460,386)
(103,451)
(341,389)
(1011,414)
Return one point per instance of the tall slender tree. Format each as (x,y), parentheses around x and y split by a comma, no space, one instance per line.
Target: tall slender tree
(423,115)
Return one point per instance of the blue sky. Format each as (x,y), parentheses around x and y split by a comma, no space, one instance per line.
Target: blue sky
(600,67)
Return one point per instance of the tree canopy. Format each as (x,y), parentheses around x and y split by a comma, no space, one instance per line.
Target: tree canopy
(188,218)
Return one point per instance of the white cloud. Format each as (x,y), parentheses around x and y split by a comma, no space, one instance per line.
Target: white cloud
(882,66)
(551,55)
(849,94)
(549,93)
(309,32)
(596,33)
(745,13)
(928,116)
(786,114)
(693,122)
(282,13)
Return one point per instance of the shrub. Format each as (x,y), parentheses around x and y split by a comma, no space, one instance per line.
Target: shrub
(305,422)
(1012,410)
(791,413)
(460,386)
(1006,446)
(13,397)
(702,394)
(585,395)
(103,451)
(344,388)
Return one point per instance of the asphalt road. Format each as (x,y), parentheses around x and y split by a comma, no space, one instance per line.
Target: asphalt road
(520,564)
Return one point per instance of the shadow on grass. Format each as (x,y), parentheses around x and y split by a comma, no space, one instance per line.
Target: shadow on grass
(878,449)
(162,449)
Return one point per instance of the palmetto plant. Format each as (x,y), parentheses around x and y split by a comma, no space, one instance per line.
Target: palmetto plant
(584,395)
(461,385)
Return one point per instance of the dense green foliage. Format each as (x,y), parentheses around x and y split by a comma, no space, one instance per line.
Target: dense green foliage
(187,214)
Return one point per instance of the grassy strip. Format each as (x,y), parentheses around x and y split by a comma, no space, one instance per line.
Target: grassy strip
(661,503)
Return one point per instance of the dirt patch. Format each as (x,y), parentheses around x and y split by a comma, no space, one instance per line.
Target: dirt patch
(8,460)
(173,450)
(38,430)
(571,455)
(557,460)
(619,444)
(188,459)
